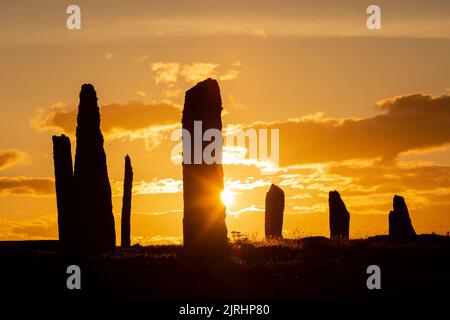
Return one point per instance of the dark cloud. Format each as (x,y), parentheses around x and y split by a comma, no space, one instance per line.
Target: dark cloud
(9,158)
(30,186)
(410,122)
(114,117)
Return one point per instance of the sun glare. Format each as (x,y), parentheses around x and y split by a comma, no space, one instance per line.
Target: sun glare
(227,197)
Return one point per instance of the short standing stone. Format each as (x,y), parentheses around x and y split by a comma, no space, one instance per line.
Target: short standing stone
(339,216)
(400,226)
(274,212)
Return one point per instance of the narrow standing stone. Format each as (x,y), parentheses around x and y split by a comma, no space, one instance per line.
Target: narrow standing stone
(62,158)
(274,212)
(126,203)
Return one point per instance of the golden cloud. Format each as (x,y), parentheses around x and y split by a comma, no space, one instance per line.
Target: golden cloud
(169,72)
(198,71)
(158,186)
(230,75)
(166,72)
(246,184)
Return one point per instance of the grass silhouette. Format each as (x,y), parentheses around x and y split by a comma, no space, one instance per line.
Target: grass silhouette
(306,268)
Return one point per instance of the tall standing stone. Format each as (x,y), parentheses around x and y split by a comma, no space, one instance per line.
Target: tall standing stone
(93,190)
(339,216)
(400,226)
(62,158)
(204,213)
(126,203)
(274,212)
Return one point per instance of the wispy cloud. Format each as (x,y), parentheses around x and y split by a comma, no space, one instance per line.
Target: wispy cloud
(141,93)
(230,75)
(153,20)
(246,184)
(156,240)
(198,71)
(250,209)
(166,72)
(141,59)
(158,186)
(170,72)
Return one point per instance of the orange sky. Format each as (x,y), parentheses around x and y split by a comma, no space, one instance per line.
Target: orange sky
(363,112)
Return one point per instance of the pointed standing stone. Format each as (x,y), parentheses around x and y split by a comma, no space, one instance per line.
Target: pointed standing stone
(62,157)
(204,213)
(126,203)
(91,177)
(339,216)
(274,212)
(400,226)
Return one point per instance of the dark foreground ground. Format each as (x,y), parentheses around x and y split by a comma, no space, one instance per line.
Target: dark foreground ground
(309,268)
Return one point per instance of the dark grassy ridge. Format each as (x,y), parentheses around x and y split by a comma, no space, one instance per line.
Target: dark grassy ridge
(309,268)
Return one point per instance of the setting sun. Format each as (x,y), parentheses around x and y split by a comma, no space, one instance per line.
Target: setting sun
(227,197)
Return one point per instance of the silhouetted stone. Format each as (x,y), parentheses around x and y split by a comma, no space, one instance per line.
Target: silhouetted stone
(126,203)
(93,190)
(274,212)
(204,214)
(339,216)
(62,158)
(400,226)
